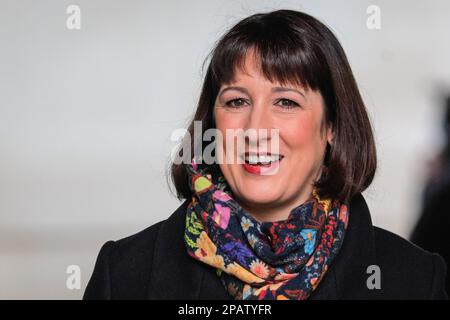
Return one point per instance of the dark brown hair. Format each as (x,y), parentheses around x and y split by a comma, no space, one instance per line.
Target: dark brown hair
(294,47)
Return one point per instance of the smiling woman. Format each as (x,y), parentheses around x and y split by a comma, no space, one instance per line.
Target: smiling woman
(304,230)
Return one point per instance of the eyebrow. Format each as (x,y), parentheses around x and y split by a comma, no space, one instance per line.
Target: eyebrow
(274,89)
(283,89)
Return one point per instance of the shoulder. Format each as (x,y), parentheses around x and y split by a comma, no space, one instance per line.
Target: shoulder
(141,244)
(123,267)
(134,248)
(405,267)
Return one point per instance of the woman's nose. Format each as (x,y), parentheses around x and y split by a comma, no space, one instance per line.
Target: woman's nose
(258,124)
(258,117)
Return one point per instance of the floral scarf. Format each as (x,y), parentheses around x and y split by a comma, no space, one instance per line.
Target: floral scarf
(261,260)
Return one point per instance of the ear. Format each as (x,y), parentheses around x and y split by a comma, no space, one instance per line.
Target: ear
(330,134)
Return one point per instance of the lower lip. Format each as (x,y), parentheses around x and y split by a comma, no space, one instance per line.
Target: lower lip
(261,169)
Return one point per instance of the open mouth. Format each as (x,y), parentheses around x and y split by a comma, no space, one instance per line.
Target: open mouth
(261,163)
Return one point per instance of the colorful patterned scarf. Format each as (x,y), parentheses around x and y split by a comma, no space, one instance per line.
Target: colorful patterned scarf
(261,260)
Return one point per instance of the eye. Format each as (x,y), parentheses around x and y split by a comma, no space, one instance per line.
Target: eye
(235,103)
(288,104)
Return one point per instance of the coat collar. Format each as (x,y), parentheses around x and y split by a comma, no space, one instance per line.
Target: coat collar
(347,276)
(175,275)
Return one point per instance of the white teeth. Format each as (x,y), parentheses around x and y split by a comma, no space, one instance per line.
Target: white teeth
(262,158)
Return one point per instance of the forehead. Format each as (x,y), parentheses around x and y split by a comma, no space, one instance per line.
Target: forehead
(250,65)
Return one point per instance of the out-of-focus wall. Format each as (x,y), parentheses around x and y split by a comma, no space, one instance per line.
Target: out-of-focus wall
(86,117)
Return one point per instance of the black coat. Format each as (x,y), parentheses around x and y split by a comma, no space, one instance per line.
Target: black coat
(154,264)
(432,228)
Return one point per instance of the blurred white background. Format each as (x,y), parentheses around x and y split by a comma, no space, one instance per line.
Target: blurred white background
(86,117)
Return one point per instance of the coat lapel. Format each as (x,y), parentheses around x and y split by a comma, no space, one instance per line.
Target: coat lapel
(347,277)
(175,275)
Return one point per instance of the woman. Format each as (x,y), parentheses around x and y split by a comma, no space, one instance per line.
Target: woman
(285,222)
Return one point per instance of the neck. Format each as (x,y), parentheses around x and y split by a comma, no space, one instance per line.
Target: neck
(276,212)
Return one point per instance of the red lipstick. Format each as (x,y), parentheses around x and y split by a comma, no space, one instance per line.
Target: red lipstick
(260,168)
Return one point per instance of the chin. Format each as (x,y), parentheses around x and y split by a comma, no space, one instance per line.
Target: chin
(259,192)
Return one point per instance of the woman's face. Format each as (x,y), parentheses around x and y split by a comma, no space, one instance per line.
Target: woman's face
(253,102)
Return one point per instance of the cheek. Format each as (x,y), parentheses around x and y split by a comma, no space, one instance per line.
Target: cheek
(299,134)
(304,144)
